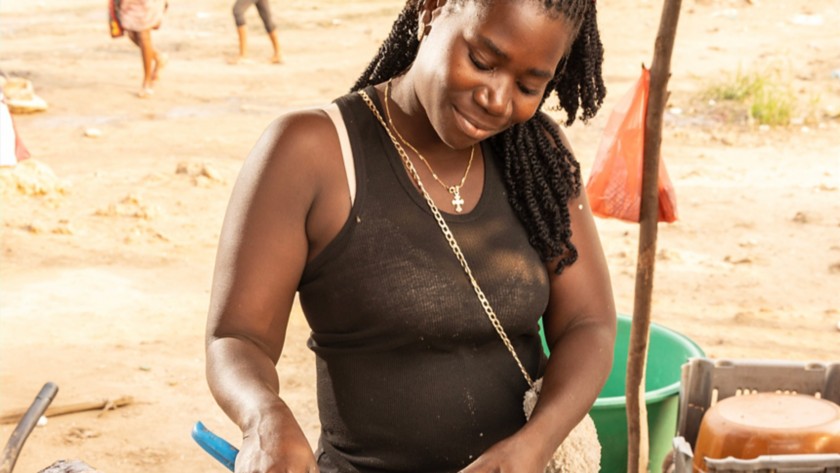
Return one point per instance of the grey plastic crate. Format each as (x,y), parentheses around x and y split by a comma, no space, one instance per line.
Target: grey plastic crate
(705,381)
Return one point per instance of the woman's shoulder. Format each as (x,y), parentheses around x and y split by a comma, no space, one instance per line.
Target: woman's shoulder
(303,140)
(298,151)
(303,131)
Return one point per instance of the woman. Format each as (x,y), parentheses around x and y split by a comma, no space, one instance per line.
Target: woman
(138,18)
(412,377)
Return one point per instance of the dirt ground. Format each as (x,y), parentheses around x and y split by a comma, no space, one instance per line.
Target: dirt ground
(108,240)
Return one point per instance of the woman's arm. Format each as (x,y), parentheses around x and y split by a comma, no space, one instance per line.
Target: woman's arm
(266,240)
(580,329)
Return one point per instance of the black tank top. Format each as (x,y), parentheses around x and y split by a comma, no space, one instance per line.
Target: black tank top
(411,375)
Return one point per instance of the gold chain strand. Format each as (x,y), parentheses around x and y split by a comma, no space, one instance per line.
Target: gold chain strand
(457,201)
(450,238)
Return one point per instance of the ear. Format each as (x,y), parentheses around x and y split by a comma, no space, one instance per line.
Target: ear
(428,11)
(437,7)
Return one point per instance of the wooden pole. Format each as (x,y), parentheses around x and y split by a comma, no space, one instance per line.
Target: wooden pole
(638,455)
(58,410)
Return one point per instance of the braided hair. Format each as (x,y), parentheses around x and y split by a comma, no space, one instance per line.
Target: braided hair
(540,173)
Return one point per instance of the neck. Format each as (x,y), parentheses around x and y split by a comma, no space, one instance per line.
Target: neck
(412,121)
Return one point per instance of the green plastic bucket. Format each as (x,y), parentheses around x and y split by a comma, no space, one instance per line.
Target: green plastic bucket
(667,351)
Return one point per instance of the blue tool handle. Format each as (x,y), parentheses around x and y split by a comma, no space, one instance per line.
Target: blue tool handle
(216,446)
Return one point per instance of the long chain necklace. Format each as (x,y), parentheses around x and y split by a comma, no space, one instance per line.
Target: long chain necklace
(457,200)
(450,238)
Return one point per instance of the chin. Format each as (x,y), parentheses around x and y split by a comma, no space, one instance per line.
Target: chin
(458,141)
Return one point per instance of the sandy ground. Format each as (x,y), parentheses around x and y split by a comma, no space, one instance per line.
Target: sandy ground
(107,254)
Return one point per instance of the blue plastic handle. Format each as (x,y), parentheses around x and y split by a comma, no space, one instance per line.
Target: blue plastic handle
(216,446)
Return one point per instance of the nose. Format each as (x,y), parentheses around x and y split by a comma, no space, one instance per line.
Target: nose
(495,95)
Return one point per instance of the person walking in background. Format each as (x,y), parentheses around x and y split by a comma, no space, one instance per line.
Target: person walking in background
(265,13)
(138,18)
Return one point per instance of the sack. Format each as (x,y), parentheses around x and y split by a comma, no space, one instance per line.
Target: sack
(114,24)
(580,452)
(615,184)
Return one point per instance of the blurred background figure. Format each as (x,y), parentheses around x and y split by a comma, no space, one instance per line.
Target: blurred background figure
(264,10)
(138,18)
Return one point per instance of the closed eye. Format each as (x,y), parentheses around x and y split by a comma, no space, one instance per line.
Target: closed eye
(479,65)
(527,91)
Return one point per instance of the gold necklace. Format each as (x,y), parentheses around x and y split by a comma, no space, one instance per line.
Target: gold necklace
(457,200)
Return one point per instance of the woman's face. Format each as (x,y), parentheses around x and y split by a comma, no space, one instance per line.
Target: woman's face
(483,68)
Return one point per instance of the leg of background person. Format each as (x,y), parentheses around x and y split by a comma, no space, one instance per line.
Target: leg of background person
(137,38)
(243,41)
(160,61)
(264,9)
(132,35)
(148,54)
(277,58)
(239,8)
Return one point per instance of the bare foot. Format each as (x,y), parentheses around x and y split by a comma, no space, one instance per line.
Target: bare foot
(160,64)
(276,59)
(145,93)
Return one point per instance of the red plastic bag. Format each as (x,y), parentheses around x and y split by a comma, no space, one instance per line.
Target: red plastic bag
(615,183)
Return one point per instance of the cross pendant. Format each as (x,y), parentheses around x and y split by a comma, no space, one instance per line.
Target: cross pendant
(457,201)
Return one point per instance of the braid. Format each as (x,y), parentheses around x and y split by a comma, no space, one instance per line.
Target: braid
(541,179)
(397,51)
(540,173)
(580,83)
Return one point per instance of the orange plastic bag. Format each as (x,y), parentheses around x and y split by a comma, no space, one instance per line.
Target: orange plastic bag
(114,24)
(615,183)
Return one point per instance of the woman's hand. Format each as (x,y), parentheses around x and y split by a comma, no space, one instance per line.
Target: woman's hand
(512,455)
(275,445)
